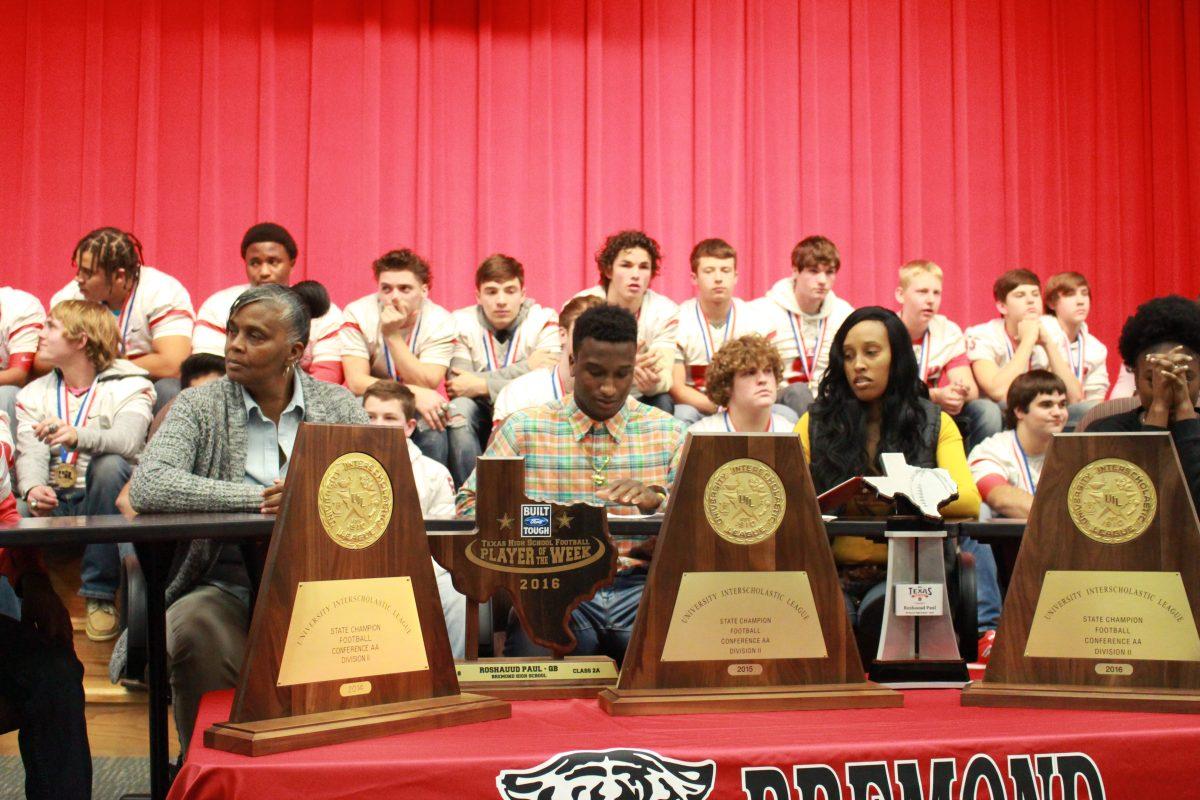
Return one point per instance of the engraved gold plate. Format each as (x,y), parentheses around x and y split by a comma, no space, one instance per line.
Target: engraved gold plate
(744,617)
(355,501)
(744,501)
(349,629)
(514,671)
(1112,500)
(1131,616)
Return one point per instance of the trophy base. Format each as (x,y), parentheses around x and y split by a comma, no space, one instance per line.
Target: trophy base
(331,727)
(647,702)
(569,678)
(1099,698)
(920,674)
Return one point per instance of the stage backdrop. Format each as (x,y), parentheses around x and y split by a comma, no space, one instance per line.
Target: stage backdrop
(983,134)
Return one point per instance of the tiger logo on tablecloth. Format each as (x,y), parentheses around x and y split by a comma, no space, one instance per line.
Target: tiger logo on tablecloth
(617,774)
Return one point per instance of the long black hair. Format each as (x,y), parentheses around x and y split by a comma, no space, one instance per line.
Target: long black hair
(840,418)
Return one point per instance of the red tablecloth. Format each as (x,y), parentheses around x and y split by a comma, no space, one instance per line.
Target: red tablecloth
(1130,755)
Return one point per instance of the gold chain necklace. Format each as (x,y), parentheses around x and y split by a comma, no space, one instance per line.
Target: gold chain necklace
(599,465)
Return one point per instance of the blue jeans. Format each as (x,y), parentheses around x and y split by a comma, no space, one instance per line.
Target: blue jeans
(688,415)
(662,402)
(798,397)
(165,390)
(1075,413)
(471,422)
(100,569)
(10,604)
(602,625)
(987,586)
(978,420)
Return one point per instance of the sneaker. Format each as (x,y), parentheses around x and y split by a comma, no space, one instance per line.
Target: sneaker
(985,646)
(101,623)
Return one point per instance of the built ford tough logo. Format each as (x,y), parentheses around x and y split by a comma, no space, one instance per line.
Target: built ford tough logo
(535,521)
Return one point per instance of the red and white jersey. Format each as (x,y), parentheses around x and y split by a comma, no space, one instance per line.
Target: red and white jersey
(989,341)
(999,460)
(803,340)
(657,319)
(157,306)
(1087,356)
(475,343)
(123,388)
(941,349)
(697,341)
(324,343)
(431,337)
(534,388)
(721,423)
(21,320)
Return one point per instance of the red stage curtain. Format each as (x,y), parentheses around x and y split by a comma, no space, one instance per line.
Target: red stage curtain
(983,134)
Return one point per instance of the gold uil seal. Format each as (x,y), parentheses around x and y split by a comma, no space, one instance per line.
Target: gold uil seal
(1112,501)
(744,501)
(355,500)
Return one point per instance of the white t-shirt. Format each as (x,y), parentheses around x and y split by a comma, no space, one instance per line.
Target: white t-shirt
(157,306)
(999,459)
(324,342)
(720,422)
(989,341)
(696,341)
(435,487)
(941,349)
(121,389)
(475,343)
(789,328)
(431,337)
(21,320)
(534,388)
(1087,356)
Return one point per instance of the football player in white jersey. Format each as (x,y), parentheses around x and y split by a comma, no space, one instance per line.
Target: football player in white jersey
(801,314)
(941,350)
(503,336)
(270,254)
(21,320)
(1068,302)
(628,262)
(397,332)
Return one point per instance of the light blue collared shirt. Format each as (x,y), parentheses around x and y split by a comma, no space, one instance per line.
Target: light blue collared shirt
(269,448)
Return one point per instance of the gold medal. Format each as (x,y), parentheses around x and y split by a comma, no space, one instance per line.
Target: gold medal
(1112,501)
(354,500)
(64,475)
(744,501)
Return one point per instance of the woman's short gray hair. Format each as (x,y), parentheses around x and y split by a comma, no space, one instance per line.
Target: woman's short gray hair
(292,310)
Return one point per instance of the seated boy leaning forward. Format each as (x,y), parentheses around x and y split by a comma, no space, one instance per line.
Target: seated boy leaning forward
(392,404)
(503,336)
(801,315)
(1017,341)
(1006,466)
(743,381)
(597,445)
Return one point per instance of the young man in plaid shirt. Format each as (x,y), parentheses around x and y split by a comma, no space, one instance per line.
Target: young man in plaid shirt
(597,445)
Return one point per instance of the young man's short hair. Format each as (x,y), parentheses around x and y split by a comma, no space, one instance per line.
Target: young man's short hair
(712,248)
(270,232)
(919,267)
(197,365)
(576,306)
(1011,280)
(388,390)
(499,268)
(81,318)
(746,352)
(1059,284)
(604,323)
(1024,390)
(814,251)
(606,256)
(403,259)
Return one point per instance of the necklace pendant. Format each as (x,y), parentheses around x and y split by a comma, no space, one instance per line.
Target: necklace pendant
(598,479)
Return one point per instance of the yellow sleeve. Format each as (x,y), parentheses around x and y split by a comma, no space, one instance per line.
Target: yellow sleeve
(801,430)
(952,458)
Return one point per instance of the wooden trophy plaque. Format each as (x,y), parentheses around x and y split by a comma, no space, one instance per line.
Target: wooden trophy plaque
(347,640)
(547,559)
(1101,611)
(742,608)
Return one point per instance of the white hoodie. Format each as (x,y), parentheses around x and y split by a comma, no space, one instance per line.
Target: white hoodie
(788,326)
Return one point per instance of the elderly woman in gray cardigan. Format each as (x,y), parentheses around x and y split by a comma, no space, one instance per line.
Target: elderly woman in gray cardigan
(225,446)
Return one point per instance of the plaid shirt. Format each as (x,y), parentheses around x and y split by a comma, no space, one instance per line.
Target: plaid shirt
(563,447)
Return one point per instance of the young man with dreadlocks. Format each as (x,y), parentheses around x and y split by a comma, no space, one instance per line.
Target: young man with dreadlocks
(153,311)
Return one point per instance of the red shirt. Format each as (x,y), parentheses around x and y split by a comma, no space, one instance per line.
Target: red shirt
(16,561)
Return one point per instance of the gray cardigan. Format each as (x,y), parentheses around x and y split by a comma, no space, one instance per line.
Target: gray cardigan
(196,463)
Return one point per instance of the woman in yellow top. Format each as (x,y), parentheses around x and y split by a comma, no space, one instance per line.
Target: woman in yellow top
(871,401)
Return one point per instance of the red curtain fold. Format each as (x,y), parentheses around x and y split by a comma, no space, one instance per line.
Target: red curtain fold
(983,134)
